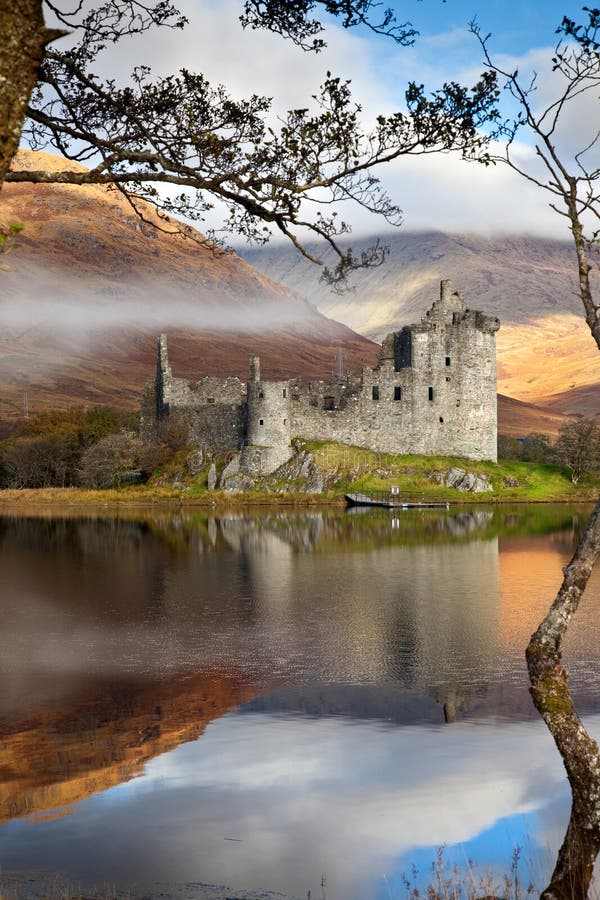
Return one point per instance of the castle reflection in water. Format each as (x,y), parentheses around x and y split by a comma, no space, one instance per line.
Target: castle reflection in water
(124,636)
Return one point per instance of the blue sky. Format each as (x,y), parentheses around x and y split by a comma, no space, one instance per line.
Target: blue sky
(516,27)
(436,192)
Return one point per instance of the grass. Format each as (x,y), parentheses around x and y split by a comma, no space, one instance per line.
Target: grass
(346,469)
(355,469)
(451,882)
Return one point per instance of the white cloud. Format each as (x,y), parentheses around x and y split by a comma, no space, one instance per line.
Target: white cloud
(439,192)
(352,797)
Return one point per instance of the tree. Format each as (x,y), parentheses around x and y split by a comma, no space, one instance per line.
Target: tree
(105,463)
(572,178)
(41,461)
(207,147)
(578,447)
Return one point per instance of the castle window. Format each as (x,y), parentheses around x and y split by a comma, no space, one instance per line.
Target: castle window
(261,421)
(455,318)
(284,393)
(285,421)
(402,350)
(448,378)
(447,360)
(442,419)
(431,393)
(210,399)
(375,392)
(328,402)
(261,395)
(397,393)
(458,402)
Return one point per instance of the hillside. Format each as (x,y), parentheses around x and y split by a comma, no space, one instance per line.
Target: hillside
(91,285)
(546,355)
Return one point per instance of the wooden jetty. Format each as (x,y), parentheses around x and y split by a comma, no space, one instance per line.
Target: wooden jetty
(393,500)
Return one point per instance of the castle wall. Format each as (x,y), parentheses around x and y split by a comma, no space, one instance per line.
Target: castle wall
(217,427)
(213,409)
(433,393)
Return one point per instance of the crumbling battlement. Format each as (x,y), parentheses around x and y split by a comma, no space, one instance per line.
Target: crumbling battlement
(432,392)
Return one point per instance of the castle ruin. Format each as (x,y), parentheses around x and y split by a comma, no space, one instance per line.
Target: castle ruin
(432,392)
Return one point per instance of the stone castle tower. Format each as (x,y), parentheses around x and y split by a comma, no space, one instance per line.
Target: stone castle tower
(269,429)
(433,392)
(439,381)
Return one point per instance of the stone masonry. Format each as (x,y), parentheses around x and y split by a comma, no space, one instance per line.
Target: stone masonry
(432,392)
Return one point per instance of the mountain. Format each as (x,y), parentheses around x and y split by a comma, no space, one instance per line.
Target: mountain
(545,352)
(91,285)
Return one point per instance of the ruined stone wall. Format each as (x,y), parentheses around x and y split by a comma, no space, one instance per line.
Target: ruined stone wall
(213,409)
(433,392)
(217,427)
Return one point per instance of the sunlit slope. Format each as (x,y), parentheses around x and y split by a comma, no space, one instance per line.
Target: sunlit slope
(553,362)
(546,355)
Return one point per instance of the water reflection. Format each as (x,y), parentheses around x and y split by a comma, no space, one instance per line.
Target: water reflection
(348,641)
(64,754)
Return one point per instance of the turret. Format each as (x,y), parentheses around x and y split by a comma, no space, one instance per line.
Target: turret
(269,423)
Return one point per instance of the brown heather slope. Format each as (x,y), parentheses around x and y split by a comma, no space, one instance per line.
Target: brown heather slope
(517,419)
(545,352)
(90,286)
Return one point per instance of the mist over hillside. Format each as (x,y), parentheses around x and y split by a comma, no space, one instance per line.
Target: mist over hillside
(90,287)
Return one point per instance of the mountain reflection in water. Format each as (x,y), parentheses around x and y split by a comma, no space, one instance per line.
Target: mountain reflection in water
(124,637)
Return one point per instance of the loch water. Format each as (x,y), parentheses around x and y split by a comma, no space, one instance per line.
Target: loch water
(273,699)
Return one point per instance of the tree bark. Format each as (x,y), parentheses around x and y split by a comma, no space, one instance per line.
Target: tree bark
(23,39)
(584,267)
(550,691)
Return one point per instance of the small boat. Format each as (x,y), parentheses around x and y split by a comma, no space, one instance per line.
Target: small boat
(393,500)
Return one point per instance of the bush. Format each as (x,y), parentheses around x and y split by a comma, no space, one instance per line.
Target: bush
(46,450)
(107,463)
(36,462)
(578,447)
(531,448)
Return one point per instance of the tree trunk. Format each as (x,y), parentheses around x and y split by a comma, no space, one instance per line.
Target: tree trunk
(582,248)
(23,39)
(550,691)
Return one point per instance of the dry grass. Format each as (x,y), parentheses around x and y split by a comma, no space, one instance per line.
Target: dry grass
(448,881)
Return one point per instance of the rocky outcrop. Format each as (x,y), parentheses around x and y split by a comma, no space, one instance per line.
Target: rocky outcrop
(211,478)
(299,475)
(464,481)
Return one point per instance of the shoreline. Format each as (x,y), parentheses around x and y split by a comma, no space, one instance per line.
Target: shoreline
(164,499)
